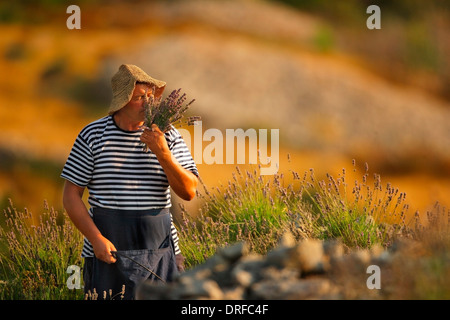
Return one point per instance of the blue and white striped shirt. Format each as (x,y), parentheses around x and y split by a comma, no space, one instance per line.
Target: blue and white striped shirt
(119,173)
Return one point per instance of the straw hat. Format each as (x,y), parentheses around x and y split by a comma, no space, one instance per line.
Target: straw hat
(124,81)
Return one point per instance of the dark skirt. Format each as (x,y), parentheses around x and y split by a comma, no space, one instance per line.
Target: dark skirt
(144,252)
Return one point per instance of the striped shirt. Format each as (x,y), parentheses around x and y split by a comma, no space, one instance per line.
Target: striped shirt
(119,173)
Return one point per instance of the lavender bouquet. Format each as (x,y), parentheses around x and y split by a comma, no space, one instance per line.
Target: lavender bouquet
(167,112)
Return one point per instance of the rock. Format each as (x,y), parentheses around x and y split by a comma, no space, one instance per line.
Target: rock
(308,256)
(248,270)
(234,293)
(190,288)
(316,288)
(234,252)
(153,291)
(379,255)
(292,290)
(287,240)
(279,257)
(273,273)
(310,269)
(243,278)
(360,257)
(216,263)
(333,249)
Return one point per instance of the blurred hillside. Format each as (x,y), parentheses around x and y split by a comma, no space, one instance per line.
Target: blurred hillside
(335,89)
(411,47)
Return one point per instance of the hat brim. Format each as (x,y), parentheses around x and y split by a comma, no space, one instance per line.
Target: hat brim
(124,83)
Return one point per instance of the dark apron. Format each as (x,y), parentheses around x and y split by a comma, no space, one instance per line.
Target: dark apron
(144,251)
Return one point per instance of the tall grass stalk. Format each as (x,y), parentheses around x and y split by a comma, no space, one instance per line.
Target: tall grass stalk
(34,258)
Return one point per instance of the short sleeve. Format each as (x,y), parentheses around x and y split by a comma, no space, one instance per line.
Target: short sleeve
(180,151)
(79,165)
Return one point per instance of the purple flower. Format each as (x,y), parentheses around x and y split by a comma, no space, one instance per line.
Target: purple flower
(167,112)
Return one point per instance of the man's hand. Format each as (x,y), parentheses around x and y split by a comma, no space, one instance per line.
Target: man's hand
(156,141)
(179,260)
(102,249)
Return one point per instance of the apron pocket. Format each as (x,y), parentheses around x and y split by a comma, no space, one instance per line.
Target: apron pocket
(138,266)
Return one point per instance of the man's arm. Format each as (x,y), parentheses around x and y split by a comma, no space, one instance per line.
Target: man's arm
(78,213)
(182,181)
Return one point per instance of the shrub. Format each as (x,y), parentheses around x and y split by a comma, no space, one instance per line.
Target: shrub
(259,210)
(35,257)
(367,215)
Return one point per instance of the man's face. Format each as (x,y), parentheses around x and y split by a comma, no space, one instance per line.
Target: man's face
(141,94)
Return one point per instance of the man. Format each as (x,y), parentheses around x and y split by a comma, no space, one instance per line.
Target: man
(129,232)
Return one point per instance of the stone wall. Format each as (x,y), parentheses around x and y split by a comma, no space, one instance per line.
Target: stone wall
(310,269)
